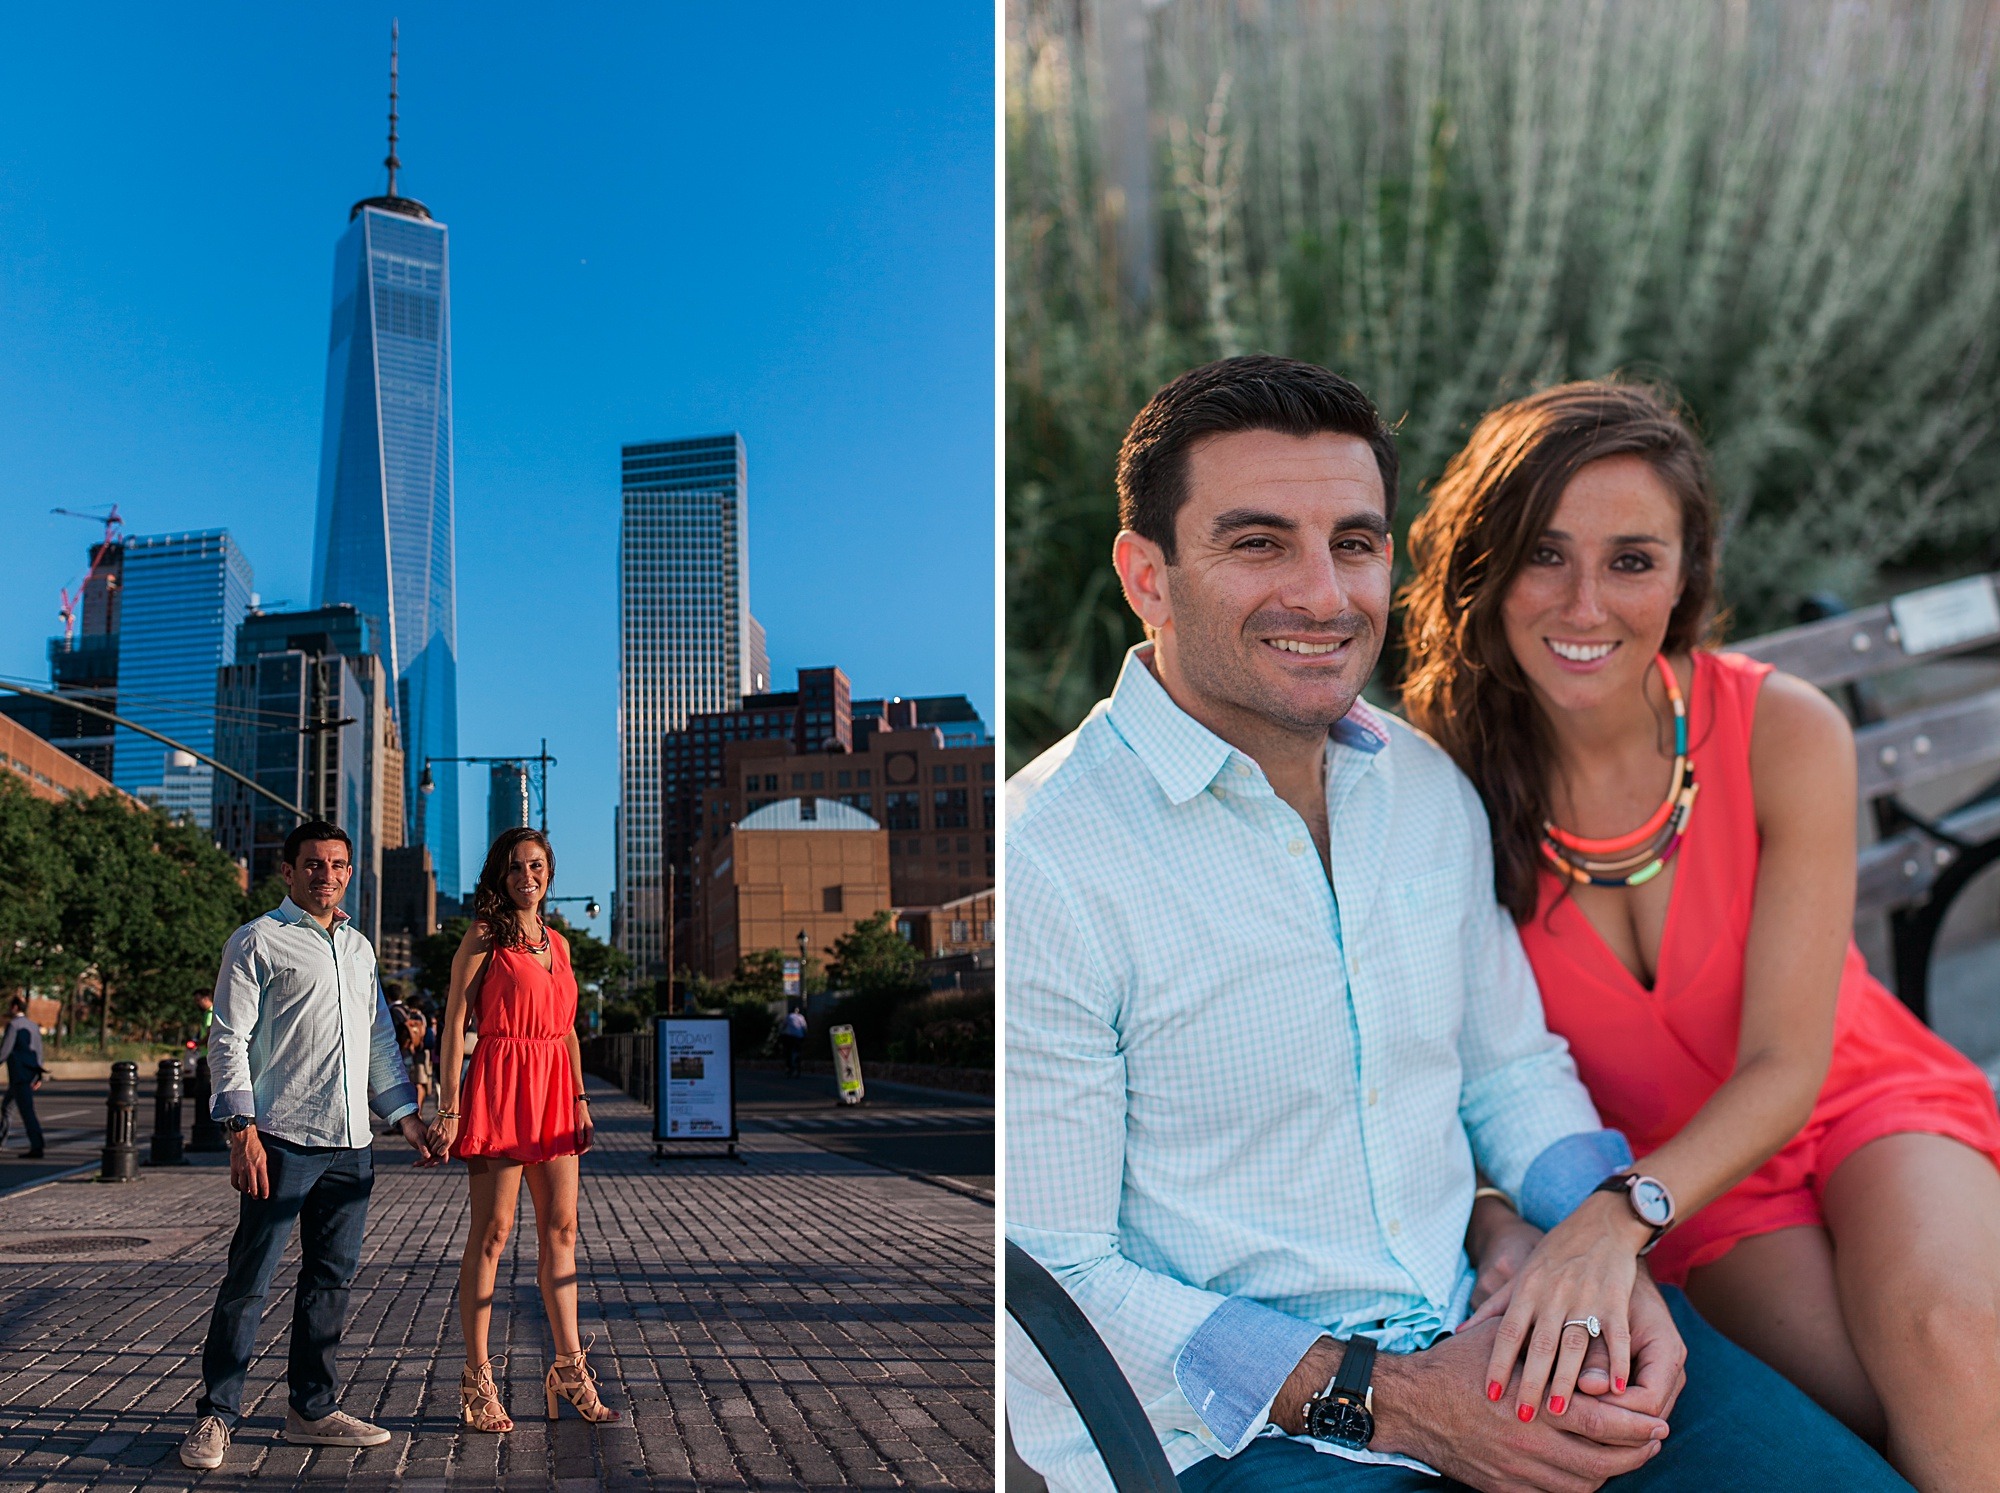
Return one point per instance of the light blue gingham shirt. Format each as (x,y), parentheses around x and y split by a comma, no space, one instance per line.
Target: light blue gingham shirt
(1241,1114)
(302,1041)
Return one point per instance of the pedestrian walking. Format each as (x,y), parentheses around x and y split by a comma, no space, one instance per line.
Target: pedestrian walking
(793,1031)
(300,1049)
(21,1051)
(518,1115)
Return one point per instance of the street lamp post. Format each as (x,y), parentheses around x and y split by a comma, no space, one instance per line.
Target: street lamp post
(427,784)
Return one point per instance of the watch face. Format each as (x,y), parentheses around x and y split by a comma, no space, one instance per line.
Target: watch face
(1651,1203)
(1342,1421)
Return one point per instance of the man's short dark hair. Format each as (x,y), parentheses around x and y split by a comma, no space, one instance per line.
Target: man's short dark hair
(314,829)
(1257,392)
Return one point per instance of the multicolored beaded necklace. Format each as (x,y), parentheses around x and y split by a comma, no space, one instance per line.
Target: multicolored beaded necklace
(1636,858)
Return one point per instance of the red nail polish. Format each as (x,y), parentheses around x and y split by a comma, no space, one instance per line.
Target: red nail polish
(1527,1413)
(1556,1403)
(1493,1389)
(1618,1385)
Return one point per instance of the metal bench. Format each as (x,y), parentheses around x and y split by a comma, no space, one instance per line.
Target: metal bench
(1920,863)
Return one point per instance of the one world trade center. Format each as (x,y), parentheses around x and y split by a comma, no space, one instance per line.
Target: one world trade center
(383,537)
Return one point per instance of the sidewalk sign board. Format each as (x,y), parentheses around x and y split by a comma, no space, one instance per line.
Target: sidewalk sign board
(847,1065)
(794,986)
(694,1083)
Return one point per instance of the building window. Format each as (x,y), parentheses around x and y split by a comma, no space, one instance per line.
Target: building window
(958,772)
(844,780)
(950,809)
(964,844)
(902,811)
(937,774)
(986,771)
(819,780)
(959,930)
(809,809)
(798,780)
(864,778)
(944,844)
(988,800)
(771,786)
(965,868)
(830,899)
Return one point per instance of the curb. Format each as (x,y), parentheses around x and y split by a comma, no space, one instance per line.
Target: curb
(23,1188)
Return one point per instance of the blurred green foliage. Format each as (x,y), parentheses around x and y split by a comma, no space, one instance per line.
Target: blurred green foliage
(1789,212)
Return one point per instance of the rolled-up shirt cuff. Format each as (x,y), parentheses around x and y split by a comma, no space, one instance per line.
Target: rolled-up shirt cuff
(398,1102)
(233,1102)
(1233,1367)
(1568,1172)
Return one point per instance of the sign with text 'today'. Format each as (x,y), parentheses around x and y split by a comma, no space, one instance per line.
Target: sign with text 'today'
(794,987)
(847,1065)
(694,1085)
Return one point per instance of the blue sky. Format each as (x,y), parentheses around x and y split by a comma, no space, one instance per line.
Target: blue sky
(665,220)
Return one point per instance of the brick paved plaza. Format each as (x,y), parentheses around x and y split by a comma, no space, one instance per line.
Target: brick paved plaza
(804,1320)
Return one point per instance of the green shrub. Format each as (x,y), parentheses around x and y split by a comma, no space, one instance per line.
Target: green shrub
(1787,211)
(953,1028)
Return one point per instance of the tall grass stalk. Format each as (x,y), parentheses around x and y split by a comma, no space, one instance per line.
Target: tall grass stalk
(1787,211)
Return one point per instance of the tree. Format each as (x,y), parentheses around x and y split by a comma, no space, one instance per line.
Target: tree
(31,886)
(147,906)
(601,971)
(873,956)
(434,953)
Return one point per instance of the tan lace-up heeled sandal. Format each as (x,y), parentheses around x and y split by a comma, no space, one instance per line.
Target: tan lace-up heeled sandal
(572,1379)
(479,1399)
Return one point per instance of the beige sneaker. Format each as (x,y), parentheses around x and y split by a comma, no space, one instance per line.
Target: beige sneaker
(204,1445)
(334,1429)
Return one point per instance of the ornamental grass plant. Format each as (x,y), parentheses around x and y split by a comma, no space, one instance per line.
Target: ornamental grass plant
(1788,212)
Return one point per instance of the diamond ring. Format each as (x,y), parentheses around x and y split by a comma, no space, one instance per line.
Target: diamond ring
(1589,1324)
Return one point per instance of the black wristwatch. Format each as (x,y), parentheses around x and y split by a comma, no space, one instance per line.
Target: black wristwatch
(1344,1412)
(236,1123)
(1649,1199)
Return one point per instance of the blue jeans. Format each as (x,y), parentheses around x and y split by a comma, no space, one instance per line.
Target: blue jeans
(21,1094)
(1738,1424)
(325,1189)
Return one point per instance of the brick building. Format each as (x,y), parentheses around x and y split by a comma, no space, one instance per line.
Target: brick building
(800,865)
(46,770)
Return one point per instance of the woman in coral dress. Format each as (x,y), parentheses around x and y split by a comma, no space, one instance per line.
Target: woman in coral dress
(1674,832)
(520,1115)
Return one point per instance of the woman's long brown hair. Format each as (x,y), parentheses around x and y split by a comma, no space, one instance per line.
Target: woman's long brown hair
(1488,512)
(490,903)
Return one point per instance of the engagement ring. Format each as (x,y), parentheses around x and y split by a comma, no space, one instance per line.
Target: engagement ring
(1589,1324)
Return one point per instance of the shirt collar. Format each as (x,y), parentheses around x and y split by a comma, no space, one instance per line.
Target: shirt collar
(1183,755)
(289,911)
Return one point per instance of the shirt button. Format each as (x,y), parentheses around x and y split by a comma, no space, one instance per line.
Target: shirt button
(1243,769)
(1372,1097)
(1395,1227)
(1297,847)
(1218,791)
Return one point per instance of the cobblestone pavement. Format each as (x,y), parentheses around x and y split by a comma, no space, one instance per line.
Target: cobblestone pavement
(800,1321)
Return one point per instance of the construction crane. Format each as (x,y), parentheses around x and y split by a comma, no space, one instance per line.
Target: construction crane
(114,533)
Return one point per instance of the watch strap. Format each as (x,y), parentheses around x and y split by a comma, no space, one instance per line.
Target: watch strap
(1357,1366)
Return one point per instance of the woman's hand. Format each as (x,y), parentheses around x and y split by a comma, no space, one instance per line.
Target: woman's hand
(1583,1268)
(443,1131)
(586,1132)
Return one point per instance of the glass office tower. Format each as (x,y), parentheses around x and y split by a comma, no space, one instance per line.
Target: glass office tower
(383,540)
(181,600)
(687,644)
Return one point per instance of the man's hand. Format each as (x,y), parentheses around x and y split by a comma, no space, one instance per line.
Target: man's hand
(1499,1246)
(249,1169)
(1659,1357)
(415,1133)
(1433,1406)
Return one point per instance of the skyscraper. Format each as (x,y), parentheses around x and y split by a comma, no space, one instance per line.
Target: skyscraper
(687,643)
(181,600)
(304,711)
(383,539)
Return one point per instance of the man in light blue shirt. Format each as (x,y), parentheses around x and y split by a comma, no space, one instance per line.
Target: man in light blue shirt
(300,1047)
(1266,1025)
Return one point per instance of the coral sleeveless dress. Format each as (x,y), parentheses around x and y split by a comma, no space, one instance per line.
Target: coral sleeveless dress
(1651,1058)
(519,1097)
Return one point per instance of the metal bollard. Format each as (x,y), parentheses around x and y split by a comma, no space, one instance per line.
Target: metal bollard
(121,1156)
(205,1134)
(167,1116)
